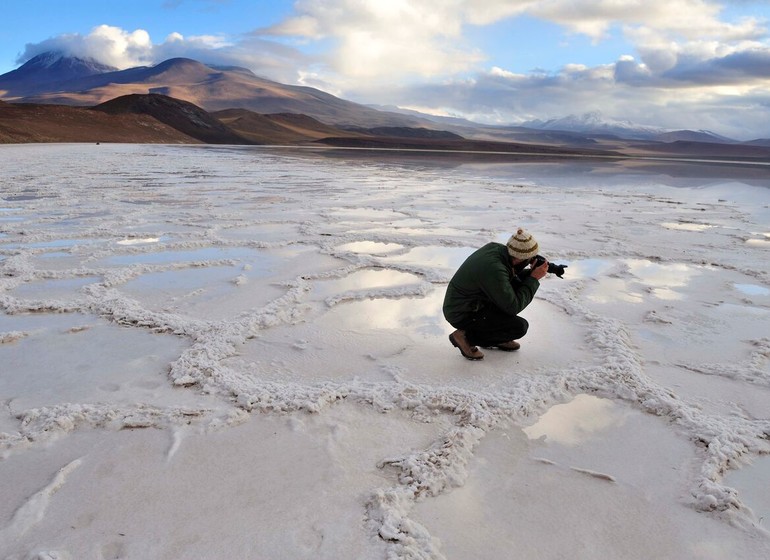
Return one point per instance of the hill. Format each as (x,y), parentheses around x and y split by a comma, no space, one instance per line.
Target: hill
(26,123)
(180,115)
(277,128)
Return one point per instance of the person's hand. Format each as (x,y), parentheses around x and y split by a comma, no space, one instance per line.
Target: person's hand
(539,272)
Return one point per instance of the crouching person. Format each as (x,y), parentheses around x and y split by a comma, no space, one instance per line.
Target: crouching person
(489,290)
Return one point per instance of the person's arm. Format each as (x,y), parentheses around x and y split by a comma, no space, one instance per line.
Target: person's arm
(509,297)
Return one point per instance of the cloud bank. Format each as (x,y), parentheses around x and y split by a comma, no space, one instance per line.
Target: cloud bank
(688,64)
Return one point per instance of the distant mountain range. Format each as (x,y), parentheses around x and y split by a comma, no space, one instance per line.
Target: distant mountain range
(595,123)
(156,118)
(44,79)
(241,107)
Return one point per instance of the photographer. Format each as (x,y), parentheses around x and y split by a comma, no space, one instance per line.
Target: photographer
(490,289)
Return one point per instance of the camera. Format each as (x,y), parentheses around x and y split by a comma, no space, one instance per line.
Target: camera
(536,261)
(557,269)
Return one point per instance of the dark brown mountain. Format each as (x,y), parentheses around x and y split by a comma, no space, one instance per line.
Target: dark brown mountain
(180,115)
(25,123)
(278,128)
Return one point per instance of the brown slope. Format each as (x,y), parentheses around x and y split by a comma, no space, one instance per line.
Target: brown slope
(181,115)
(280,128)
(24,123)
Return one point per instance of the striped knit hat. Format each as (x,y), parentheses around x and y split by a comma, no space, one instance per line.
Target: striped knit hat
(522,245)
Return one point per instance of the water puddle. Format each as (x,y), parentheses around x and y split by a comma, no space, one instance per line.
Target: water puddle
(631,280)
(449,258)
(758,242)
(401,229)
(54,289)
(583,418)
(55,244)
(141,241)
(686,226)
(364,280)
(370,247)
(606,474)
(588,268)
(58,260)
(271,233)
(252,256)
(734,311)
(26,197)
(663,278)
(752,482)
(417,315)
(80,358)
(752,289)
(216,292)
(366,214)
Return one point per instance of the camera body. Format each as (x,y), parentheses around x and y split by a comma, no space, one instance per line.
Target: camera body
(536,261)
(557,269)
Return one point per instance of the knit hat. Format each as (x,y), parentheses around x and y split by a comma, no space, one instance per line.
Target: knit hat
(522,245)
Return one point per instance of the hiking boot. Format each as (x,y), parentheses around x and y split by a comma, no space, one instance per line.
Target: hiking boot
(509,346)
(458,340)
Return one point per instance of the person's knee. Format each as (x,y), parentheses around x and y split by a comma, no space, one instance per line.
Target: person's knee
(522,326)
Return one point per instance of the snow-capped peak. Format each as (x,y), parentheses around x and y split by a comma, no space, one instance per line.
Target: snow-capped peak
(57,60)
(595,122)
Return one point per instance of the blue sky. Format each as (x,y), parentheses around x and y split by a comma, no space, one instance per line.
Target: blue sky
(695,64)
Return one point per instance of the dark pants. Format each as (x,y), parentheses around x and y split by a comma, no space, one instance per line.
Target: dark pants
(490,326)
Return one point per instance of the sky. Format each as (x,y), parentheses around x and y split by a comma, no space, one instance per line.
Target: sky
(676,64)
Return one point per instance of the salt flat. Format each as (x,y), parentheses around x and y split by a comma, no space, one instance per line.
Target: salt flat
(239,352)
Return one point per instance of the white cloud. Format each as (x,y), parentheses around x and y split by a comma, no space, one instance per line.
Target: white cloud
(107,44)
(126,49)
(625,90)
(689,19)
(383,41)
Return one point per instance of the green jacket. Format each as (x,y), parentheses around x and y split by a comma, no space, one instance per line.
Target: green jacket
(487,277)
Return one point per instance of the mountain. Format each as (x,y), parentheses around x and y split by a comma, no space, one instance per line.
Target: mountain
(407,132)
(704,136)
(595,123)
(211,88)
(765,142)
(180,115)
(46,71)
(277,128)
(26,123)
(452,121)
(155,118)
